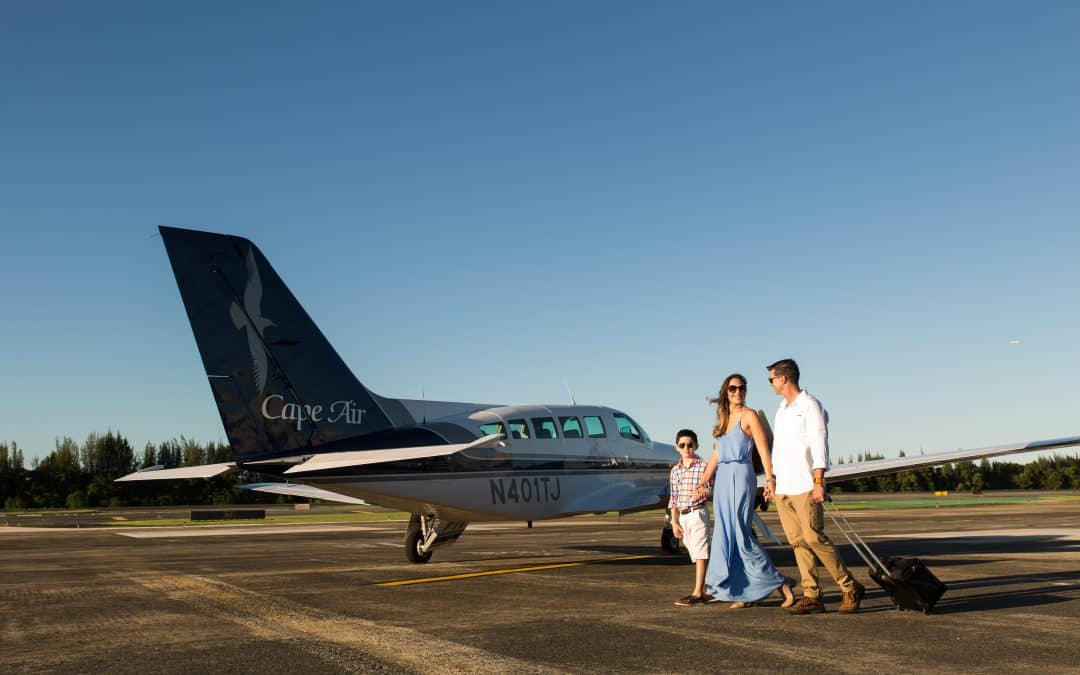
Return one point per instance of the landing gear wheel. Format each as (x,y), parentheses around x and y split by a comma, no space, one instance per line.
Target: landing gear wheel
(413,539)
(668,541)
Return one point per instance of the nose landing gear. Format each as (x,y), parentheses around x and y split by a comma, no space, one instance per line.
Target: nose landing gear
(425,532)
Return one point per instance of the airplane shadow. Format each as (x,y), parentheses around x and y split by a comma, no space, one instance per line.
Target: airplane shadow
(659,557)
(1000,597)
(943,552)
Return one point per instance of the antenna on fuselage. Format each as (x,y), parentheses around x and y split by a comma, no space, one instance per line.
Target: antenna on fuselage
(423,398)
(569,393)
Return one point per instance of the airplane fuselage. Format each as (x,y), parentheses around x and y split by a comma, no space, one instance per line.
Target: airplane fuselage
(552,461)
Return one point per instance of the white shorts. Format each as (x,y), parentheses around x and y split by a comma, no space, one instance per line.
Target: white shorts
(695,527)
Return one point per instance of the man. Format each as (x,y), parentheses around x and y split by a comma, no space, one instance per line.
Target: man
(690,512)
(800,458)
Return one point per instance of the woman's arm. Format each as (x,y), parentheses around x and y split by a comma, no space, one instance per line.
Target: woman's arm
(710,468)
(762,445)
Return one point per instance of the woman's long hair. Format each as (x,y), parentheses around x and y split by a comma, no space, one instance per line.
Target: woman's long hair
(723,406)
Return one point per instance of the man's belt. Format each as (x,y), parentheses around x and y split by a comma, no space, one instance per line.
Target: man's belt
(691,509)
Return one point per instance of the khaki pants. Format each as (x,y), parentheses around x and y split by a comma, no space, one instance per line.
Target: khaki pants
(803,521)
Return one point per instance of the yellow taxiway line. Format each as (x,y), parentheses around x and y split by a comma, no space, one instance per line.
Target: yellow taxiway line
(514,570)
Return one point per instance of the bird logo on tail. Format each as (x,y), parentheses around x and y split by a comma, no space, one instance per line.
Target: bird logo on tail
(250,318)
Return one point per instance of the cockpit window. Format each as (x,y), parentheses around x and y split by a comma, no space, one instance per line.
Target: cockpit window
(627,428)
(545,427)
(518,429)
(492,428)
(595,426)
(571,427)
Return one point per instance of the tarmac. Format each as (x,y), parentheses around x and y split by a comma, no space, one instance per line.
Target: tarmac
(590,594)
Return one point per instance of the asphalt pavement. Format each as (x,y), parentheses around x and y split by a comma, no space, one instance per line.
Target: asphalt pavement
(585,594)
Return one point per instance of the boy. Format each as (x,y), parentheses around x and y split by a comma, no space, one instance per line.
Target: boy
(690,512)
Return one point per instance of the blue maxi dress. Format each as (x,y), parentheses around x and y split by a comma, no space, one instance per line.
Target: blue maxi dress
(739,568)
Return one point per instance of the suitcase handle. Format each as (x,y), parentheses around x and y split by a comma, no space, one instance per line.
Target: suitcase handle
(849,532)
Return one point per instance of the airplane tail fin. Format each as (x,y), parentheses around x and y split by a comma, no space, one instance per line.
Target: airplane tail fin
(279,385)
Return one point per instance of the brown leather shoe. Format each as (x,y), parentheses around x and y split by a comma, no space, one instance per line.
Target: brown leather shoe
(853,599)
(807,605)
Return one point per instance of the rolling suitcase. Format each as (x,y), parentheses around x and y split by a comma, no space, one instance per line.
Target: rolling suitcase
(909,582)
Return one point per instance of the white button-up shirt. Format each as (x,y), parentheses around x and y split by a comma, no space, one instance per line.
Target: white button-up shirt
(800,444)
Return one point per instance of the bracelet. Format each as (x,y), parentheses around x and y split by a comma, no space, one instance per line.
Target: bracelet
(819,481)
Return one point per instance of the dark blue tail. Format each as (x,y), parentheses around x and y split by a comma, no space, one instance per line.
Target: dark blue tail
(279,385)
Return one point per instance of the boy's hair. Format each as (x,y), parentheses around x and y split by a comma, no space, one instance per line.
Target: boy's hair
(786,368)
(686,432)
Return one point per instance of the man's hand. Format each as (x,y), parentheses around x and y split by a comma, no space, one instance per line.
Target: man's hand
(818,494)
(677,529)
(768,493)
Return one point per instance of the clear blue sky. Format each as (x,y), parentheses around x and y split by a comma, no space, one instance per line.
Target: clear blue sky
(482,200)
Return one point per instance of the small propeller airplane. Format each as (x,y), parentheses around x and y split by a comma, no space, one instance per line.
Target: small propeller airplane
(293,410)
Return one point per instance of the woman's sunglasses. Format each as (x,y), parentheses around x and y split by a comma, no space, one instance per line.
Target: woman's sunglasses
(732,388)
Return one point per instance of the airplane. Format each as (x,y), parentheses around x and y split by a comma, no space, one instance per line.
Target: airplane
(293,410)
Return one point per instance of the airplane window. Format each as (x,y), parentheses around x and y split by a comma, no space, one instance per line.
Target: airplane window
(645,434)
(627,429)
(571,427)
(595,426)
(518,429)
(545,427)
(492,428)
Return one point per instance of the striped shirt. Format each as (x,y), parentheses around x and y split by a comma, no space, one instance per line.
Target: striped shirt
(684,480)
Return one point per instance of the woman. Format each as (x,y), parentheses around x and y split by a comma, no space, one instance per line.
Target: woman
(739,568)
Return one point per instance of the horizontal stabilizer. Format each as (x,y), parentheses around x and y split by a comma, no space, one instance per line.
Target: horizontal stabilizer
(881,467)
(306,491)
(351,458)
(201,471)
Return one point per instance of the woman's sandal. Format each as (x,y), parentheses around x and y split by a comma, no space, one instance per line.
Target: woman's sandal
(787,590)
(742,605)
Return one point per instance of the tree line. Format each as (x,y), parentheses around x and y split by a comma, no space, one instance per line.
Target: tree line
(1045,473)
(77,475)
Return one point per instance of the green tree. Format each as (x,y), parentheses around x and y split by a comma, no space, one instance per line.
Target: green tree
(57,475)
(12,474)
(106,458)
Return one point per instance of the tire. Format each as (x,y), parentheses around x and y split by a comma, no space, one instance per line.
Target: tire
(668,541)
(413,539)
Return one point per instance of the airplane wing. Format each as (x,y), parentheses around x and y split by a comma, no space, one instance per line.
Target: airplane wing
(881,467)
(159,473)
(307,491)
(350,458)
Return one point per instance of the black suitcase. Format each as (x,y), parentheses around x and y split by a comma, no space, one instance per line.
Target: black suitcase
(908,581)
